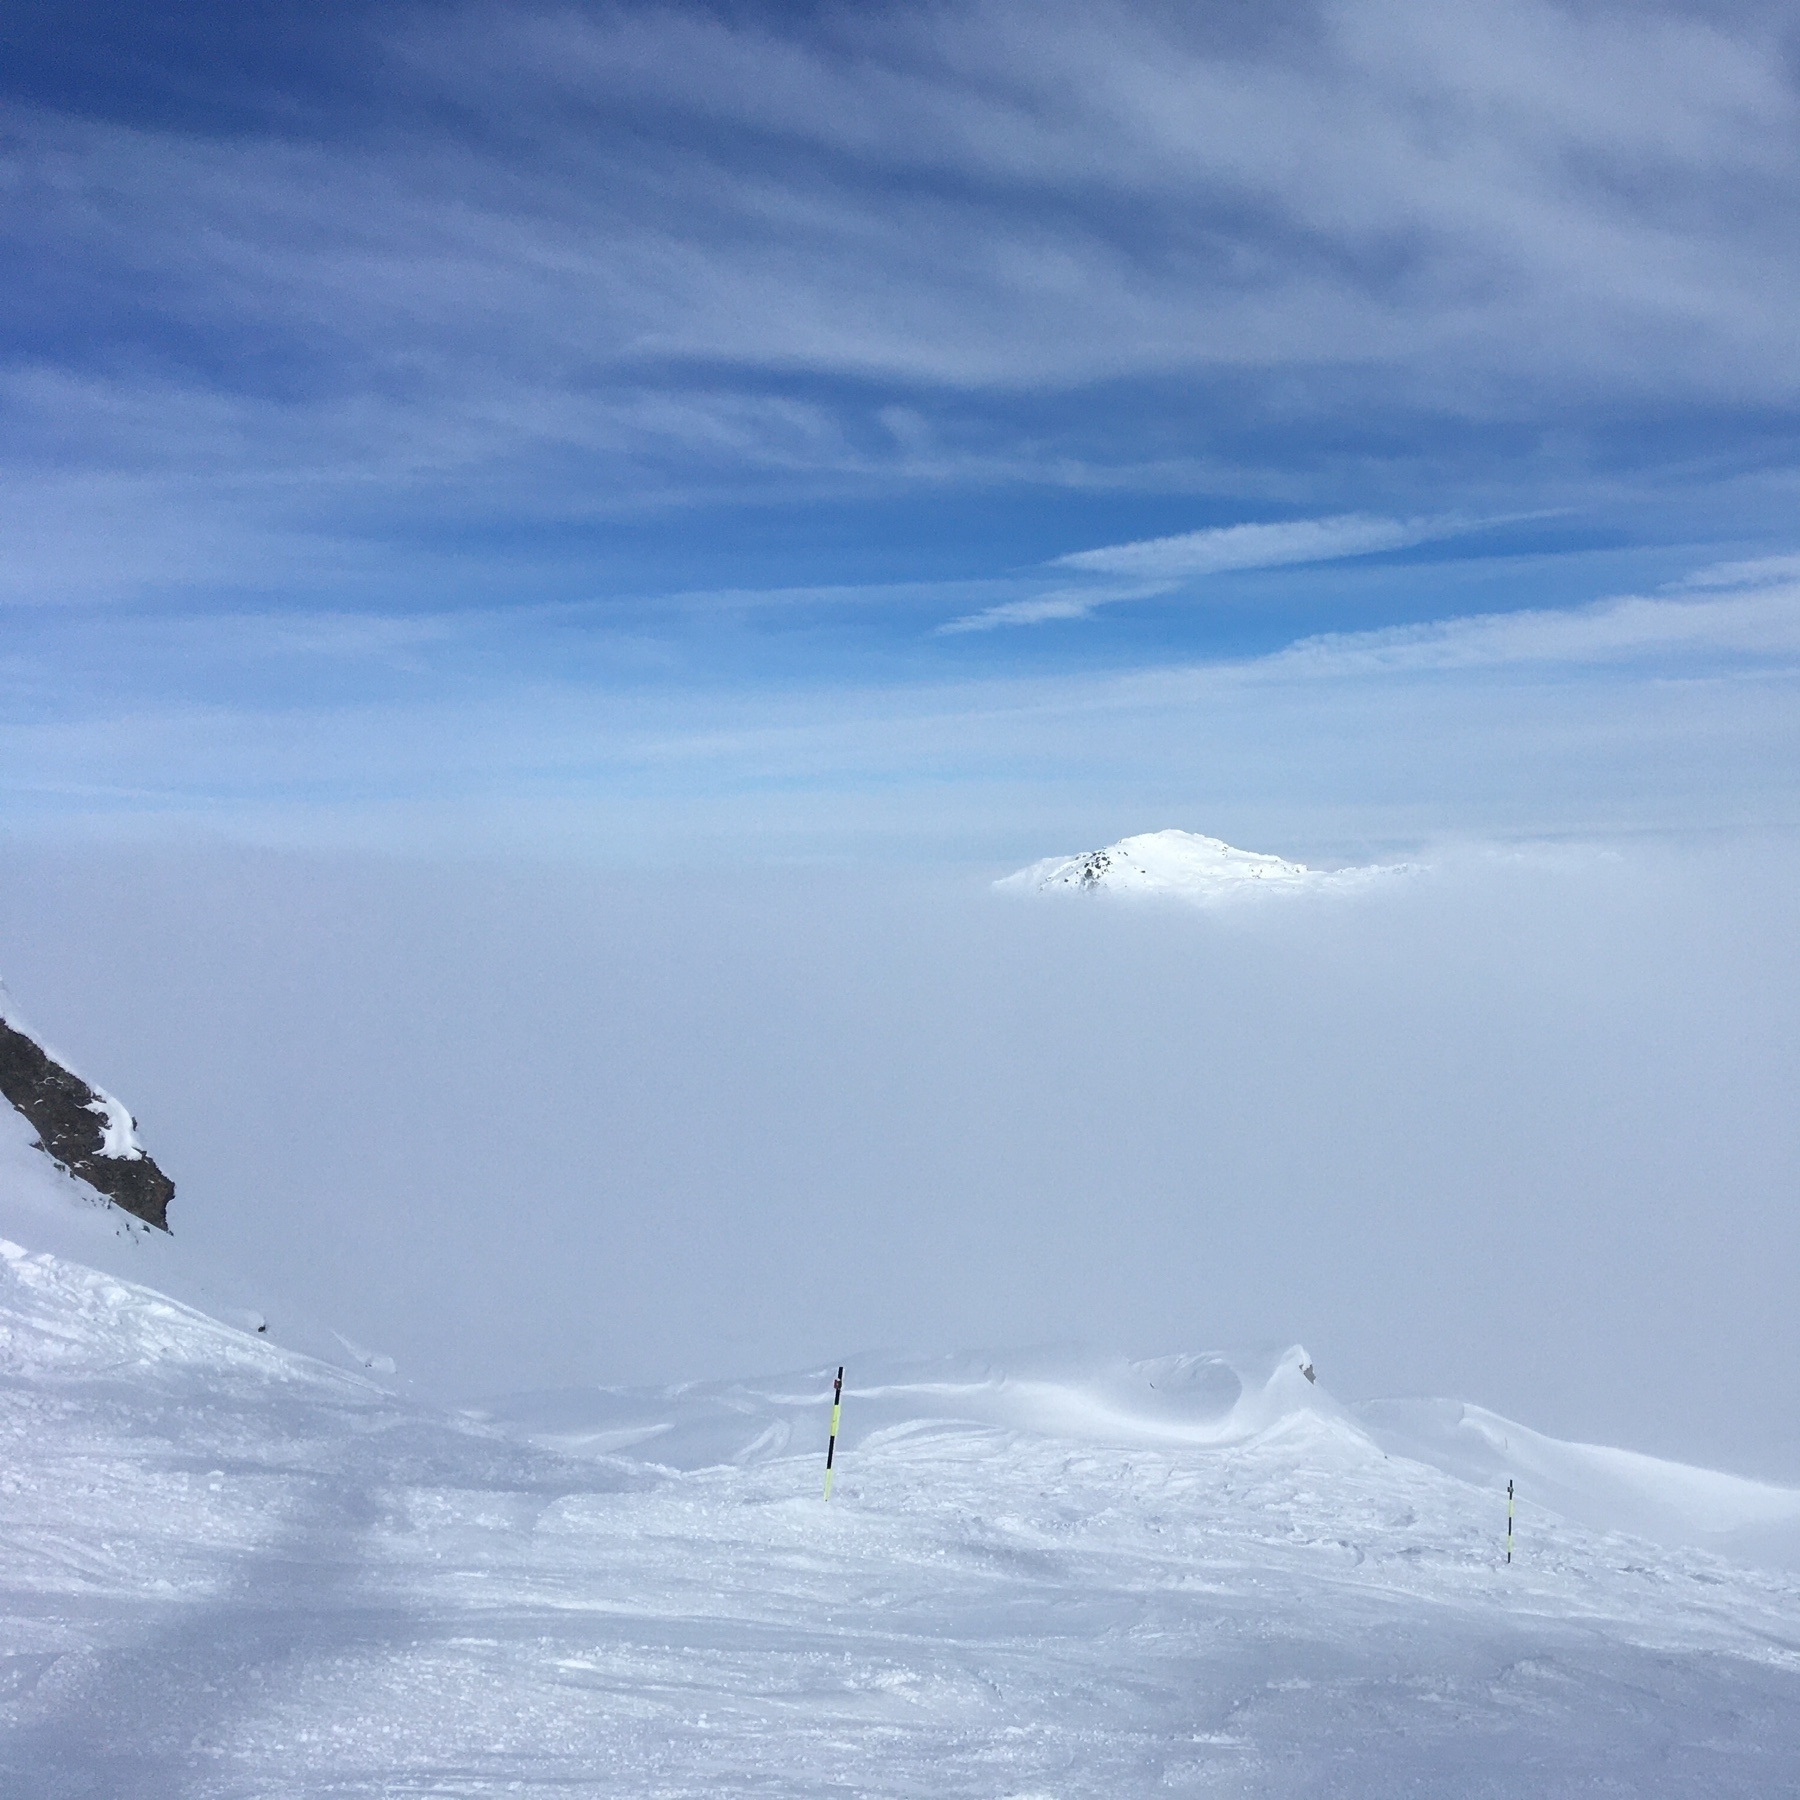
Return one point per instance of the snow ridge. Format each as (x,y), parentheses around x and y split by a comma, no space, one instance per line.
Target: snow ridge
(1206,1400)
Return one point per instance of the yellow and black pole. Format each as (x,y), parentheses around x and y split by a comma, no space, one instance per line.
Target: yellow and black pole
(837,1406)
(1509,1506)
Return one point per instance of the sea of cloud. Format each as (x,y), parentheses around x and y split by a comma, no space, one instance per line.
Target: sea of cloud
(1519,1130)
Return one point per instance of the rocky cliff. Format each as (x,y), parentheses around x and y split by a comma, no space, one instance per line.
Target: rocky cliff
(85,1130)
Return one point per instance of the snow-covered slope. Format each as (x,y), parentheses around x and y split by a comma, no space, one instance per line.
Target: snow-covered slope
(1214,1401)
(50,1203)
(1596,1484)
(229,1571)
(43,1208)
(1188,866)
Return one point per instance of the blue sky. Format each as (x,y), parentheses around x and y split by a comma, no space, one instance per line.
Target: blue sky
(959,432)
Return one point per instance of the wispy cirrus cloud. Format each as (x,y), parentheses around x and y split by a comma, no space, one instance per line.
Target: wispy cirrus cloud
(1758,571)
(1269,546)
(1155,566)
(1052,606)
(679,255)
(1761,621)
(762,340)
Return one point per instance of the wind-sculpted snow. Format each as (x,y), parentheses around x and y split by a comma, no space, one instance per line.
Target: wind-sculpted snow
(228,1571)
(1167,1402)
(1184,865)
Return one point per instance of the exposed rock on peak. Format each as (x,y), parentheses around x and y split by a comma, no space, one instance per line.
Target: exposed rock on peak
(84,1129)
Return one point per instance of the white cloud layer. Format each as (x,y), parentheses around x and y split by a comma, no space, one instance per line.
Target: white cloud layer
(738,1123)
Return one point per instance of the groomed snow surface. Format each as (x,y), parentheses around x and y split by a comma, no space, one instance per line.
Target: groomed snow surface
(1184,865)
(227,1569)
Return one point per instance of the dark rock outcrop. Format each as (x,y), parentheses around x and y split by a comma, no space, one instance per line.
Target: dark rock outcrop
(70,1120)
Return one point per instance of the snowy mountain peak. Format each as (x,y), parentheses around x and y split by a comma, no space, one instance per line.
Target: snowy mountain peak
(80,1126)
(1183,863)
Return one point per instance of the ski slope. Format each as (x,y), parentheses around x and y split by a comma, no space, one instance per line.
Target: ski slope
(45,1208)
(228,1569)
(1187,866)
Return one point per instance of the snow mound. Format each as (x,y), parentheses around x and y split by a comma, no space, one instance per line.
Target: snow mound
(1596,1485)
(1224,1401)
(1208,1401)
(1188,866)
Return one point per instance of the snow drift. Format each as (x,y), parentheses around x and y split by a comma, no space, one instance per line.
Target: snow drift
(1603,1487)
(1205,1400)
(1212,1401)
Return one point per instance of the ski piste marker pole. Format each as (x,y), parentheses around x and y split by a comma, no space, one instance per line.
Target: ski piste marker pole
(1509,1504)
(837,1406)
